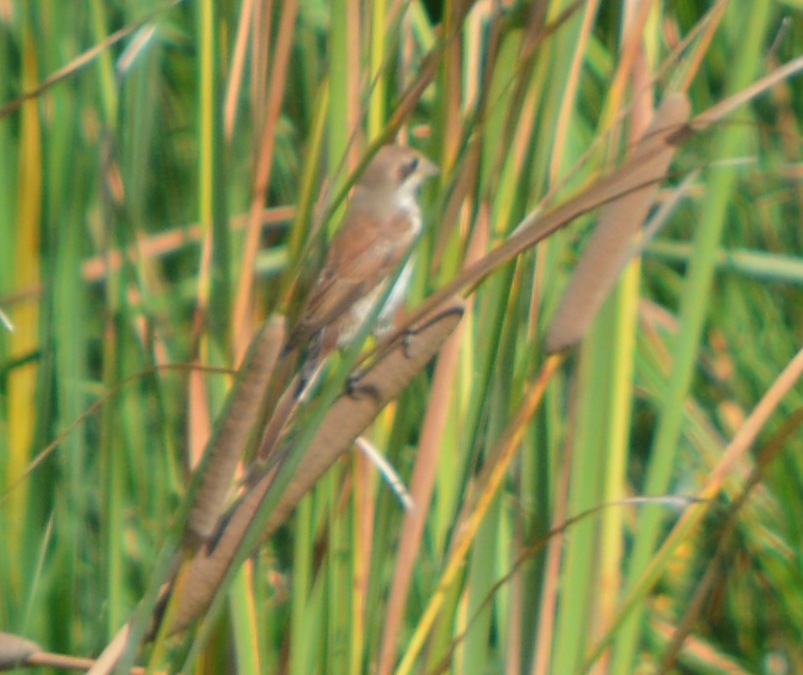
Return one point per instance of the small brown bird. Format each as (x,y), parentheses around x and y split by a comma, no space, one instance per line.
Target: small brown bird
(382,222)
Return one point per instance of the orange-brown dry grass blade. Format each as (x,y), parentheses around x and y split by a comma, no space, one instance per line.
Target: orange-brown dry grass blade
(348,417)
(237,427)
(281,59)
(169,241)
(609,247)
(239,52)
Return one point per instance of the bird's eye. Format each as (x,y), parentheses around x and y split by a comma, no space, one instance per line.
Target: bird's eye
(409,168)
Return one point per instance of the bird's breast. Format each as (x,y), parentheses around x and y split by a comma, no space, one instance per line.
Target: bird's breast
(409,207)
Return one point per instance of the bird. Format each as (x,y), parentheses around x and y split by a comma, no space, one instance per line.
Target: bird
(382,221)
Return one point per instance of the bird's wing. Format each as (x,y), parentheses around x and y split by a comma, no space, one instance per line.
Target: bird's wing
(359,259)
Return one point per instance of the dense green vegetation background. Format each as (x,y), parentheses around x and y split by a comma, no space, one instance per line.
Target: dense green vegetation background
(165,173)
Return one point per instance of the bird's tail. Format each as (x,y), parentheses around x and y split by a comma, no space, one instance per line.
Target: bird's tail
(311,366)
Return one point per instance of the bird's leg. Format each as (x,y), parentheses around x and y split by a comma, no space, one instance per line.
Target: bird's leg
(410,332)
(352,382)
(407,339)
(355,389)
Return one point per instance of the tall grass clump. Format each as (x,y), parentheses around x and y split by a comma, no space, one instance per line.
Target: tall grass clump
(590,412)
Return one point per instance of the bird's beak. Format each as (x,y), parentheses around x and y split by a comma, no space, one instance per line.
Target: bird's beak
(427,169)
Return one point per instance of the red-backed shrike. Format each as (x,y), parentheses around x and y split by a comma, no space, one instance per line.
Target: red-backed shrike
(382,222)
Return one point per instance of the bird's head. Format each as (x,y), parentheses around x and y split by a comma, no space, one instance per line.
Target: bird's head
(396,168)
